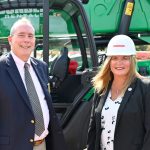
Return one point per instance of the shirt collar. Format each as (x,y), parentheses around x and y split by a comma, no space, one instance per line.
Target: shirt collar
(18,61)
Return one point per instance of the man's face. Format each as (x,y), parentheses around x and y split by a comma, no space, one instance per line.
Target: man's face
(22,41)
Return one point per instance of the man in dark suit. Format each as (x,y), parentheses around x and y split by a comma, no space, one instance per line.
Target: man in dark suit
(20,128)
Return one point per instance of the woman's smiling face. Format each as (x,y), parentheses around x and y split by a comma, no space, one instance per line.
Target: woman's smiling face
(120,65)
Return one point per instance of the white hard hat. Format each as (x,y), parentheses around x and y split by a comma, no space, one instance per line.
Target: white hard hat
(121,45)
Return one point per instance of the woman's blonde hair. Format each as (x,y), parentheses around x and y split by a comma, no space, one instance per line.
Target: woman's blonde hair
(104,76)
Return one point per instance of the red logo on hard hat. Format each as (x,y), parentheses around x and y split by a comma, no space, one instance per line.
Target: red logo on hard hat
(118,45)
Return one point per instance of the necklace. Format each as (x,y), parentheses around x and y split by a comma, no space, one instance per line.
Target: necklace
(117,88)
(115,93)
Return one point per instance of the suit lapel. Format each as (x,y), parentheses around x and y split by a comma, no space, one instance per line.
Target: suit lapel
(103,98)
(16,78)
(125,99)
(38,70)
(98,110)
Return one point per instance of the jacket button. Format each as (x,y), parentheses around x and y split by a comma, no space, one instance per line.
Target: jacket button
(32,121)
(31,140)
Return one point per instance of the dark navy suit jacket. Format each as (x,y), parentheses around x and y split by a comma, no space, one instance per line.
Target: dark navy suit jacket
(16,114)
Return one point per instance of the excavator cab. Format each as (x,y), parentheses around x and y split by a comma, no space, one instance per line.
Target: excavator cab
(130,17)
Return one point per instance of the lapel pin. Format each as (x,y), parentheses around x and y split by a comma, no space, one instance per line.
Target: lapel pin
(129,89)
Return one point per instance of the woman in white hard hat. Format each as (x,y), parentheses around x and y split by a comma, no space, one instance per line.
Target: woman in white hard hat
(120,117)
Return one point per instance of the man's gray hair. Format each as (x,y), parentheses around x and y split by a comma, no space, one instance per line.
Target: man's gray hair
(19,22)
